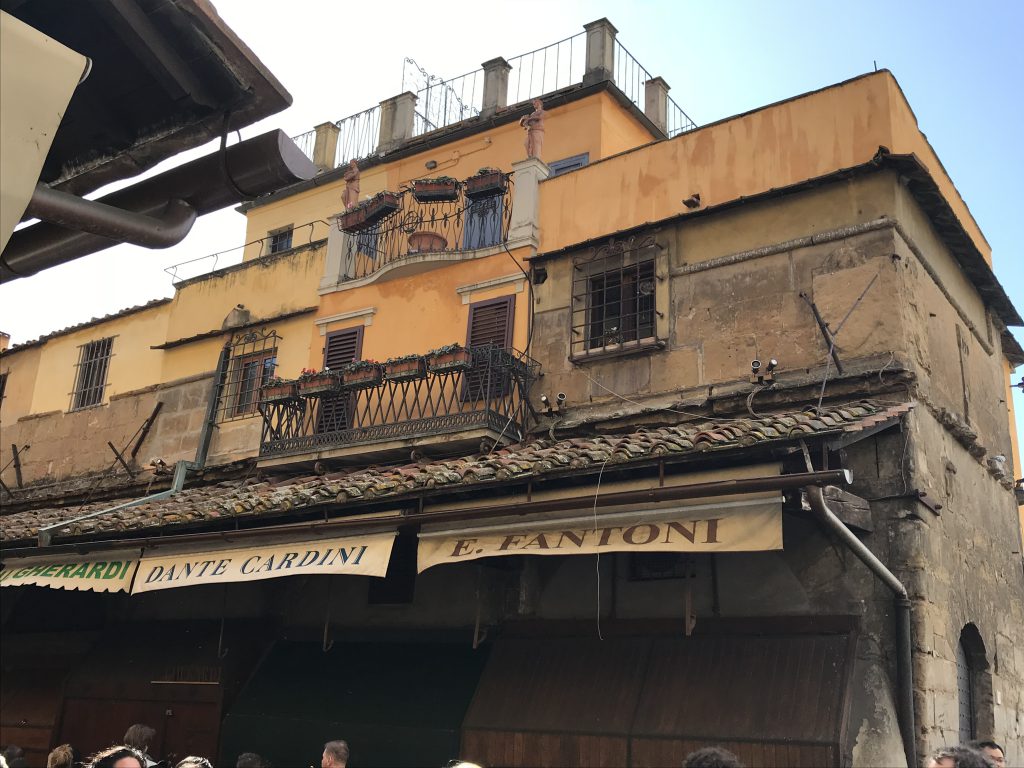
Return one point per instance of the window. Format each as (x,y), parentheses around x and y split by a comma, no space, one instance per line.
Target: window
(482,228)
(248,363)
(569,164)
(367,241)
(490,325)
(341,347)
(93,360)
(281,239)
(973,685)
(614,298)
(3,387)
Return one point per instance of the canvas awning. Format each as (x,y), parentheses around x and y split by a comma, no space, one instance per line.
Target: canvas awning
(109,572)
(747,522)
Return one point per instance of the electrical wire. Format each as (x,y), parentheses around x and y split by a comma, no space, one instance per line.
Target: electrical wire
(597,564)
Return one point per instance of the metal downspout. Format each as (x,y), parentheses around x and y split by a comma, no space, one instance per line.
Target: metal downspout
(901,601)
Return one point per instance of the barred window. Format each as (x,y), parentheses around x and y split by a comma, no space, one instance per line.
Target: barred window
(252,360)
(614,298)
(91,381)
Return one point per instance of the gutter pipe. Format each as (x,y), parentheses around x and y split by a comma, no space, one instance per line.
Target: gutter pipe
(901,603)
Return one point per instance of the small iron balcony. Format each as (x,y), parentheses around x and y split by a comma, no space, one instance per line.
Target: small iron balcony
(446,406)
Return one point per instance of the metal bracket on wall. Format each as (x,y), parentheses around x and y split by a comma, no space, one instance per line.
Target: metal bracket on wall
(826,332)
(916,494)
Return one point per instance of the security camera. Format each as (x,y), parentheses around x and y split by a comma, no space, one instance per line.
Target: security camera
(544,399)
(772,365)
(755,366)
(560,398)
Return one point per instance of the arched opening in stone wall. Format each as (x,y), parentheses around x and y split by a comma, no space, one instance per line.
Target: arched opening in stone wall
(973,686)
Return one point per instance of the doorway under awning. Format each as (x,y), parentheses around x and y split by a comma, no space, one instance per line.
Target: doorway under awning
(395,703)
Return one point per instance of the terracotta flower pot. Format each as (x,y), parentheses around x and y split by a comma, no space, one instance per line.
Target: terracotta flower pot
(276,393)
(369,213)
(426,242)
(319,384)
(404,370)
(459,360)
(435,190)
(363,378)
(486,184)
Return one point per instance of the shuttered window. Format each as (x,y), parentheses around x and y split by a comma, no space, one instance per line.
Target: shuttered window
(93,360)
(341,347)
(490,325)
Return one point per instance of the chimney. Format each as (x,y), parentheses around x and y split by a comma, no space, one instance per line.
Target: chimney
(495,85)
(600,51)
(396,121)
(326,146)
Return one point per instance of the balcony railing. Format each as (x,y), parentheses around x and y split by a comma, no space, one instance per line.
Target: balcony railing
(488,398)
(428,228)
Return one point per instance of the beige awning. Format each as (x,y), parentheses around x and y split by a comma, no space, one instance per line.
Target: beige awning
(751,525)
(112,573)
(356,555)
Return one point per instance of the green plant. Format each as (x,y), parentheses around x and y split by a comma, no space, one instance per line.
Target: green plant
(447,349)
(361,365)
(402,359)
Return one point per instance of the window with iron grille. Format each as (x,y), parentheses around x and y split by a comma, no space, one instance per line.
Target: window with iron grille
(340,347)
(91,380)
(483,222)
(615,297)
(281,240)
(252,360)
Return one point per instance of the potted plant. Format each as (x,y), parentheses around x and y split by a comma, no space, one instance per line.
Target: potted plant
(405,368)
(366,214)
(451,357)
(362,374)
(312,382)
(486,182)
(277,390)
(442,189)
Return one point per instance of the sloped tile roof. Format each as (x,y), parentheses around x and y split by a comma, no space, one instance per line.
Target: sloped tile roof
(519,462)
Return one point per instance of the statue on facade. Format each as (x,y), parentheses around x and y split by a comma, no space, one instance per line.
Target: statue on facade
(350,196)
(534,125)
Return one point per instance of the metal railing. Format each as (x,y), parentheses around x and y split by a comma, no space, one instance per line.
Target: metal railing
(490,392)
(631,78)
(358,135)
(547,69)
(306,142)
(446,102)
(416,228)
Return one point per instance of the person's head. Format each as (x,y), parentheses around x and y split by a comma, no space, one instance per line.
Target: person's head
(194,762)
(461,764)
(712,757)
(335,755)
(117,757)
(991,750)
(14,755)
(61,757)
(538,104)
(958,757)
(139,737)
(250,760)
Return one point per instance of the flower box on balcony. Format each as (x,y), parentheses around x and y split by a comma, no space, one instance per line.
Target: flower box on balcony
(318,383)
(363,377)
(369,213)
(278,393)
(442,190)
(448,359)
(405,370)
(486,183)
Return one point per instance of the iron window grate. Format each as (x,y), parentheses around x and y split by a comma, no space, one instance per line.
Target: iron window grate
(91,380)
(252,361)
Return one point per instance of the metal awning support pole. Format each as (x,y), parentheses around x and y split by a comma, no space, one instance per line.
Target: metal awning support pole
(904,657)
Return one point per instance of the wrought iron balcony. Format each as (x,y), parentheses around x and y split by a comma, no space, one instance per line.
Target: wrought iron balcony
(446,408)
(416,228)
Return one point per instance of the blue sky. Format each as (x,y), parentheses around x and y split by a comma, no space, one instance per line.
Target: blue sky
(961,68)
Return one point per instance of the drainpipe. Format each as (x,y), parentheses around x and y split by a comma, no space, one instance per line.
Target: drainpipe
(901,603)
(181,468)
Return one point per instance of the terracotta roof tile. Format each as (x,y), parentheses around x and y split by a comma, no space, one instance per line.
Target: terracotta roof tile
(229,499)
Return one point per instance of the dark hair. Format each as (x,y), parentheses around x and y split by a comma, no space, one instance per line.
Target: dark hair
(250,760)
(980,744)
(107,757)
(712,757)
(963,757)
(337,749)
(140,736)
(61,757)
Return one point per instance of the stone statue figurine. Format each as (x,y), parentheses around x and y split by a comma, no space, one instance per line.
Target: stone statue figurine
(534,125)
(350,196)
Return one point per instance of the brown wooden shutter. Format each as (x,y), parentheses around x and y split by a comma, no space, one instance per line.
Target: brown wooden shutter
(341,347)
(490,322)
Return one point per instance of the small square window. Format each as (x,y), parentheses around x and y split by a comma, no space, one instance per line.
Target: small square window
(281,240)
